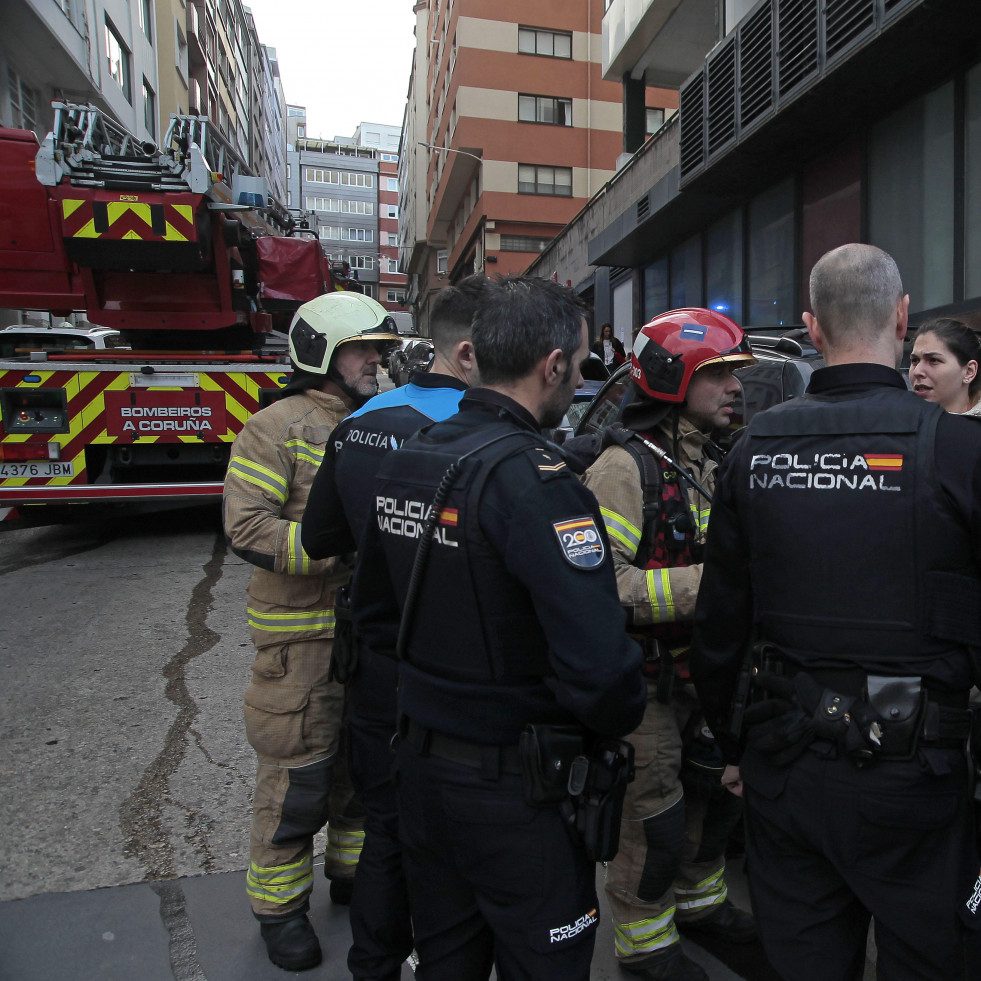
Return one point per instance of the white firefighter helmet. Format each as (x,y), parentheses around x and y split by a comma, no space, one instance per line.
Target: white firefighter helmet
(325,322)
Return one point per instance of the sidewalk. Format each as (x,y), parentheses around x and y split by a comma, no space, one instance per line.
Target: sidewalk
(194,929)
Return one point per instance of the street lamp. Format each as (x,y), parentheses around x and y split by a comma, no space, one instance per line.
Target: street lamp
(449,149)
(480,160)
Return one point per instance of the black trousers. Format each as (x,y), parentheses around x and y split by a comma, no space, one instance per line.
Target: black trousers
(831,846)
(381,926)
(492,881)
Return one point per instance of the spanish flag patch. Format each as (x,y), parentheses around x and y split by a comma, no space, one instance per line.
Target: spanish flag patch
(884,461)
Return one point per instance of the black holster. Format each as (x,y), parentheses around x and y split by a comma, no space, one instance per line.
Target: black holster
(344,651)
(547,753)
(586,779)
(597,786)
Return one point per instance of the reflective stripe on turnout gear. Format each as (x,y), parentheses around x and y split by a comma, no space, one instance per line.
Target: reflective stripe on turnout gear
(659,590)
(303,450)
(291,622)
(646,936)
(297,561)
(255,473)
(618,527)
(282,883)
(344,846)
(701,516)
(709,892)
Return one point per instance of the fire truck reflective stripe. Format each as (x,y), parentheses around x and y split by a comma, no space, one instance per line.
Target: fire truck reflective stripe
(344,846)
(282,883)
(298,562)
(68,206)
(622,530)
(291,622)
(709,892)
(659,590)
(128,220)
(262,477)
(646,936)
(306,451)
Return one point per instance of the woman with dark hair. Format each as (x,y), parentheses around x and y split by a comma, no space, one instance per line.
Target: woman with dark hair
(944,366)
(609,347)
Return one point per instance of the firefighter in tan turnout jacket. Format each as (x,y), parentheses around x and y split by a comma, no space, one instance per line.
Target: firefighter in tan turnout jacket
(676,815)
(292,711)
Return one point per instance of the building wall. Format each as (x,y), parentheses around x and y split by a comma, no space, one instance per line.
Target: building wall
(337,185)
(878,143)
(52,50)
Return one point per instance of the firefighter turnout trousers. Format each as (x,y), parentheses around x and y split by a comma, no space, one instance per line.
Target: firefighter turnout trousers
(671,862)
(293,722)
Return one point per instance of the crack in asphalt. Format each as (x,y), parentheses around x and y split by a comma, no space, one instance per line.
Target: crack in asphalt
(141,817)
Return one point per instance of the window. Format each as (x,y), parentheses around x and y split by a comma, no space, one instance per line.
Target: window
(656,295)
(911,194)
(686,274)
(362,262)
(118,60)
(341,206)
(146,19)
(391,157)
(360,235)
(544,109)
(441,256)
(317,175)
(523,243)
(330,231)
(288,169)
(391,211)
(149,109)
(392,184)
(180,51)
(655,120)
(771,257)
(23,102)
(396,296)
(724,266)
(301,131)
(551,43)
(533,179)
(972,183)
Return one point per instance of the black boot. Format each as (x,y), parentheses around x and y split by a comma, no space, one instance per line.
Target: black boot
(727,923)
(292,944)
(669,964)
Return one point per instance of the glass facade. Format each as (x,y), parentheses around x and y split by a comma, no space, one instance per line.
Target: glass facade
(911,195)
(724,266)
(972,181)
(771,258)
(686,274)
(656,293)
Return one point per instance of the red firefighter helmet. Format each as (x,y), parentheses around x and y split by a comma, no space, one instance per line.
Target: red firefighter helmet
(674,345)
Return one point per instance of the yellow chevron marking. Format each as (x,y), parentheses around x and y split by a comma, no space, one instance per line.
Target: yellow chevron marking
(172,235)
(69,206)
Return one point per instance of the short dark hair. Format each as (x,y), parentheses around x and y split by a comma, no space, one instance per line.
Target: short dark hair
(451,317)
(520,321)
(855,290)
(964,344)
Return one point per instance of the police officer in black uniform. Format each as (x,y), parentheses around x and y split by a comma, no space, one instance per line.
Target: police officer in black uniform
(338,506)
(843,554)
(510,617)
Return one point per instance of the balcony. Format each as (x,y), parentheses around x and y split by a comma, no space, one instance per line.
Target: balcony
(662,41)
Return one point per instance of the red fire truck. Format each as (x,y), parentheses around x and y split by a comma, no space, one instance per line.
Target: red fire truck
(179,250)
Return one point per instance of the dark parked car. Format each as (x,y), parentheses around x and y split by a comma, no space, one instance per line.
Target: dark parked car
(415,356)
(784,365)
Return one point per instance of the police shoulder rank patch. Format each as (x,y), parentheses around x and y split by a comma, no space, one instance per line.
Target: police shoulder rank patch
(547,465)
(580,541)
